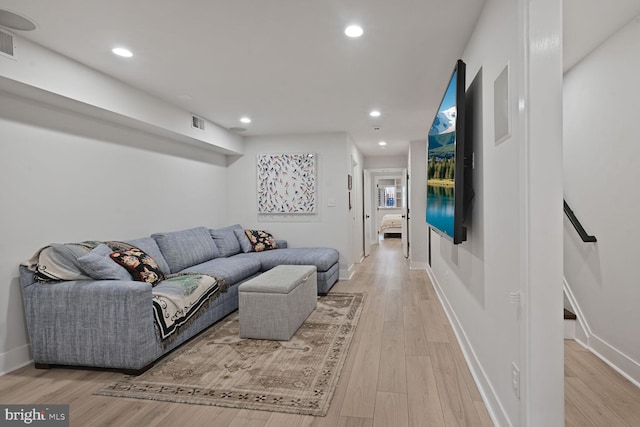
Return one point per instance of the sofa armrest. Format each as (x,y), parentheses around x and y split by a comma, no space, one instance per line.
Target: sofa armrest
(105,323)
(282,244)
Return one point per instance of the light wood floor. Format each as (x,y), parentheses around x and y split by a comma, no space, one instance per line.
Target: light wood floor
(594,394)
(404,368)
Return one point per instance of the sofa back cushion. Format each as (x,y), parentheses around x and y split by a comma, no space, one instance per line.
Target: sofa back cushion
(182,249)
(226,241)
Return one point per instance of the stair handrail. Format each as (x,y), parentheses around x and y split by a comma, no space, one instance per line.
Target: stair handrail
(577,225)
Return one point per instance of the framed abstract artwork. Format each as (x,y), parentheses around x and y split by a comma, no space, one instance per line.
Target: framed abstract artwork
(286,183)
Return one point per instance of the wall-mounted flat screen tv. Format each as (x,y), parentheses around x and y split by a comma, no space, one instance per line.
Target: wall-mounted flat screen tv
(446,161)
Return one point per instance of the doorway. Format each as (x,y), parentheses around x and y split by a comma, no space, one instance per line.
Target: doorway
(385,207)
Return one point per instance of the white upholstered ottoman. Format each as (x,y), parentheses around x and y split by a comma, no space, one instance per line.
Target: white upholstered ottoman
(273,305)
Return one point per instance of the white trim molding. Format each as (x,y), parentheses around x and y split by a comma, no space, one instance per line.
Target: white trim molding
(347,274)
(15,359)
(495,408)
(415,265)
(617,360)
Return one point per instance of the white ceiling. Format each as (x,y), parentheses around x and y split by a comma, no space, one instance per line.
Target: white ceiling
(588,23)
(287,63)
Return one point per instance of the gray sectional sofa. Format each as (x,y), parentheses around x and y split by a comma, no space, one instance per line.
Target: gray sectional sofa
(110,323)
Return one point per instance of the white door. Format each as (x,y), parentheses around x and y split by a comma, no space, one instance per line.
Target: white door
(367,212)
(405,216)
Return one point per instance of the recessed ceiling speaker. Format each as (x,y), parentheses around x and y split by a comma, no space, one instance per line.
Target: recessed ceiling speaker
(14,21)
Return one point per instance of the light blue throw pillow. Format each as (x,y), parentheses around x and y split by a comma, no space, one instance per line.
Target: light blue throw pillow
(99,266)
(226,241)
(245,243)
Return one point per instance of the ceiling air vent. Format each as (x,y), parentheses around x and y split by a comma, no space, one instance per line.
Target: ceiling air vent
(6,43)
(197,122)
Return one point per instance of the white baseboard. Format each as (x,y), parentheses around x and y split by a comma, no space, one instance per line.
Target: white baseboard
(15,359)
(489,397)
(346,274)
(415,265)
(617,360)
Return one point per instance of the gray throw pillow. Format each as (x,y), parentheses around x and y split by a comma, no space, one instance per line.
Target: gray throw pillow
(99,265)
(245,244)
(226,241)
(182,249)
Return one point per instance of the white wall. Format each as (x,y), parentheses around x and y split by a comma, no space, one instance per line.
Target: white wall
(385,162)
(76,86)
(356,213)
(331,226)
(601,176)
(477,276)
(510,246)
(66,178)
(418,230)
(85,156)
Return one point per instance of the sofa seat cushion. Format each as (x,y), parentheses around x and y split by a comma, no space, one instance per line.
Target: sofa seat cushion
(233,269)
(322,258)
(185,248)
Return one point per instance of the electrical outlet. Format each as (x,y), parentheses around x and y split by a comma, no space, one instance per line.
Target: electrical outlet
(515,379)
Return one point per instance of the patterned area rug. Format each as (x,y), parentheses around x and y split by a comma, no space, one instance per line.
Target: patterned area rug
(219,368)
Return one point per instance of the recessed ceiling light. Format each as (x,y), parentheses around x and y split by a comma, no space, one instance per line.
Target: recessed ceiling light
(245,119)
(121,51)
(353,31)
(382,143)
(375,113)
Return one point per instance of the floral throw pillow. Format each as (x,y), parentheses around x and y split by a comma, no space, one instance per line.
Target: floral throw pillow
(261,240)
(139,264)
